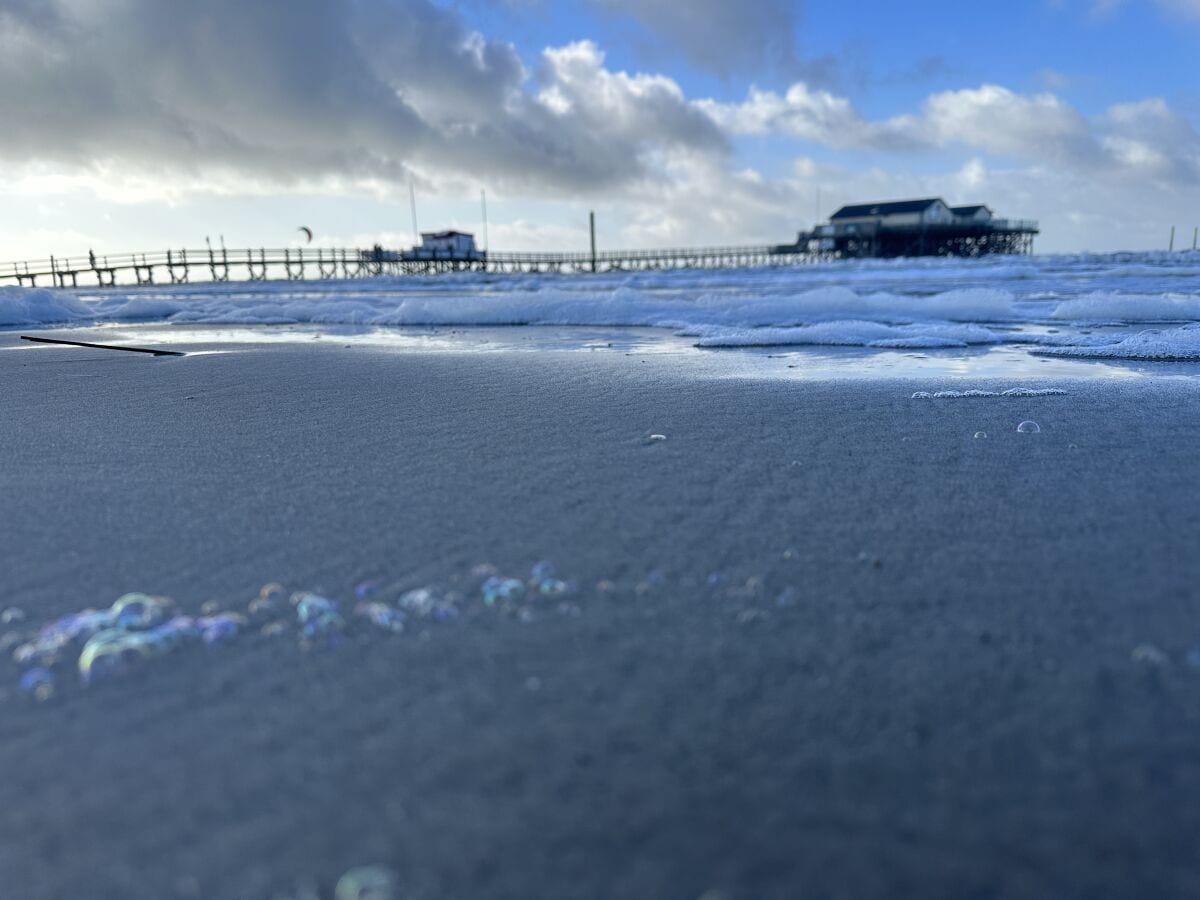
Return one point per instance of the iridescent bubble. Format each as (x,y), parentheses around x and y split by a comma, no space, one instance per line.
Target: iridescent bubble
(654,580)
(273,629)
(497,589)
(981,434)
(419,602)
(174,632)
(381,615)
(38,683)
(12,614)
(553,587)
(366,589)
(542,571)
(272,597)
(318,615)
(138,610)
(1029,427)
(9,640)
(112,652)
(1149,655)
(220,628)
(367,883)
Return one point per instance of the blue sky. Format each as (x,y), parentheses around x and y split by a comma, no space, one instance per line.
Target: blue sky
(138,124)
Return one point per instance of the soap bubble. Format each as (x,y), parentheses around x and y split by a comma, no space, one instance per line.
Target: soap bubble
(789,596)
(381,615)
(921,395)
(12,614)
(497,589)
(318,616)
(1149,655)
(981,434)
(367,883)
(1029,427)
(271,599)
(38,683)
(542,571)
(655,438)
(420,602)
(220,628)
(552,587)
(654,580)
(112,652)
(139,610)
(366,589)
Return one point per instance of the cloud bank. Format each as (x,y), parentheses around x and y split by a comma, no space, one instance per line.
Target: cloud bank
(235,97)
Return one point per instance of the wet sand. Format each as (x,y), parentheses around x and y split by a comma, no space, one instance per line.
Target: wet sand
(951,702)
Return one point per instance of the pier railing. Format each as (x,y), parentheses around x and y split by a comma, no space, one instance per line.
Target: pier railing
(188,265)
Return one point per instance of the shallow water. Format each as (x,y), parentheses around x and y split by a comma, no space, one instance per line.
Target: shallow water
(1112,307)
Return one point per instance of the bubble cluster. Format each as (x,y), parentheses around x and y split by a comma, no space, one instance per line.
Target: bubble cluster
(138,631)
(318,617)
(1011,392)
(502,590)
(139,628)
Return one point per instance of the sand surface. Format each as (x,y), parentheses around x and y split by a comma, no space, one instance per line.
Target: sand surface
(950,706)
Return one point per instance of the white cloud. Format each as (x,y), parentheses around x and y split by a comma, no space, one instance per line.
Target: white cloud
(1141,140)
(334,90)
(811,115)
(997,120)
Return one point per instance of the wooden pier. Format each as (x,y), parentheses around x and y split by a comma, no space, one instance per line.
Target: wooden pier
(187,266)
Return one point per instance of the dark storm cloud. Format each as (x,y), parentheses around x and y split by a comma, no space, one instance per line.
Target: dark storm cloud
(311,89)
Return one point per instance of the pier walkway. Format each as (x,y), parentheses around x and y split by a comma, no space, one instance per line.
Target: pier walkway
(298,264)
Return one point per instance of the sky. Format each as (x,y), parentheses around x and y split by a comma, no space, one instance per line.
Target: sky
(145,124)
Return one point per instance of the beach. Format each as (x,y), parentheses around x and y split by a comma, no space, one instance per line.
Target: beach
(823,638)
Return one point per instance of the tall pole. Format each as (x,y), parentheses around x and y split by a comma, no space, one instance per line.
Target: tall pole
(412,202)
(1195,234)
(483,203)
(592,229)
(1171,246)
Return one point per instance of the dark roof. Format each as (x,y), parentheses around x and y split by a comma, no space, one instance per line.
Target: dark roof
(888,208)
(442,235)
(969,210)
